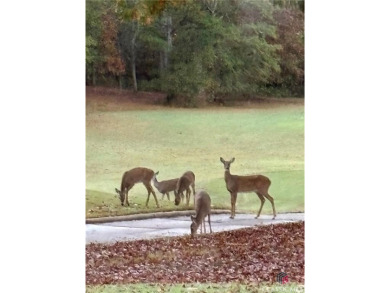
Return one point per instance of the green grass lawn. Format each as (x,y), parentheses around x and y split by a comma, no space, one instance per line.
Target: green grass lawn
(266,140)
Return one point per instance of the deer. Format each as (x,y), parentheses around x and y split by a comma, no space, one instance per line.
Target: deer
(184,183)
(202,209)
(256,183)
(164,187)
(133,176)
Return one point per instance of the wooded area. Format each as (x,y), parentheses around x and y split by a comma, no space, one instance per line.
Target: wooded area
(192,48)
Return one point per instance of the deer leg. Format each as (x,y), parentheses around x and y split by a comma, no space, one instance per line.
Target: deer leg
(154,195)
(188,194)
(168,196)
(204,225)
(233,197)
(209,224)
(262,199)
(127,197)
(193,191)
(147,199)
(127,194)
(231,206)
(271,199)
(234,207)
(150,190)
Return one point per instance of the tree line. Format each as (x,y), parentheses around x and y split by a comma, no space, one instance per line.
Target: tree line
(189,48)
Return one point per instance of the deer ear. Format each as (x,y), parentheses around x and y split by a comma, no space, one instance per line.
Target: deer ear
(117,191)
(222,160)
(156,173)
(232,160)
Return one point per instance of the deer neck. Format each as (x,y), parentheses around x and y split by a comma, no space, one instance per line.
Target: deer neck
(123,186)
(198,219)
(227,175)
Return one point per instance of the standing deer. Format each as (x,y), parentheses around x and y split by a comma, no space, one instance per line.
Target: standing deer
(132,177)
(202,209)
(184,183)
(166,186)
(257,183)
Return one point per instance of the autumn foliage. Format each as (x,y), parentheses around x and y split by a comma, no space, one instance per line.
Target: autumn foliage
(251,255)
(192,48)
(113,62)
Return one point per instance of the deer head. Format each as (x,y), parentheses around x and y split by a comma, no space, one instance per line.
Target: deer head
(194,226)
(121,194)
(177,197)
(155,176)
(226,164)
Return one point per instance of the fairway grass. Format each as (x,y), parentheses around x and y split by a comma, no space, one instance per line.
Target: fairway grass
(265,140)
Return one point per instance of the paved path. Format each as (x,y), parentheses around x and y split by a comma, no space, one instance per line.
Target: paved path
(178,226)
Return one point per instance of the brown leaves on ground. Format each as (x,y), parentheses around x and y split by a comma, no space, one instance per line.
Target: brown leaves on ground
(247,255)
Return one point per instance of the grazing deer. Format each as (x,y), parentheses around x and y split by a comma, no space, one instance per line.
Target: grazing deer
(184,183)
(166,186)
(257,183)
(202,209)
(133,176)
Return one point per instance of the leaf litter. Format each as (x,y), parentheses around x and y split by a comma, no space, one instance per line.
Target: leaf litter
(249,255)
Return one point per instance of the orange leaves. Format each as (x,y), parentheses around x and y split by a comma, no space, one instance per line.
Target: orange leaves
(113,62)
(246,255)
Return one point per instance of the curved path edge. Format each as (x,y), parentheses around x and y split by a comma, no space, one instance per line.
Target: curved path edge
(148,216)
(159,215)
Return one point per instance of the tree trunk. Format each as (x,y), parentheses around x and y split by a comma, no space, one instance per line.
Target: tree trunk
(133,57)
(93,77)
(120,82)
(169,41)
(133,68)
(161,64)
(134,75)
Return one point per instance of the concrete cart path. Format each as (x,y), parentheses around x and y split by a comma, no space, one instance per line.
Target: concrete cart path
(178,226)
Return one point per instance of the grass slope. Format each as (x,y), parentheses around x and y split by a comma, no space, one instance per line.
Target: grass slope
(266,139)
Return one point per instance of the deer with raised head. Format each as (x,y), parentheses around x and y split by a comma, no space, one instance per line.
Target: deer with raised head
(184,183)
(202,209)
(164,187)
(133,176)
(256,183)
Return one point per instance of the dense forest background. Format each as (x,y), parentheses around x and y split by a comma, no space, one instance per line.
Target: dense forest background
(197,48)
